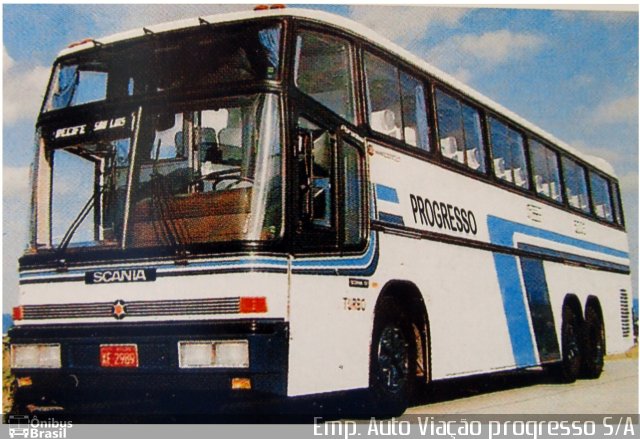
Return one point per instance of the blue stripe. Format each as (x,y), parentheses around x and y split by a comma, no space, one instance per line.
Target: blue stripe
(501,232)
(390,218)
(362,261)
(571,257)
(515,309)
(386,193)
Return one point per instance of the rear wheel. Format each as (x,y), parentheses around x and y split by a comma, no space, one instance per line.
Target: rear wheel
(594,344)
(392,366)
(569,369)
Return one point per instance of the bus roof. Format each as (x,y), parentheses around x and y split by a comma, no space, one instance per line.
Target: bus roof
(358,29)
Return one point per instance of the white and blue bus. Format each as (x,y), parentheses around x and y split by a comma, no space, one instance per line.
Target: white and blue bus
(281,202)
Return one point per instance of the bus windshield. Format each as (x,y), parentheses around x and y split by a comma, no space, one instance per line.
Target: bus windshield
(198,173)
(193,59)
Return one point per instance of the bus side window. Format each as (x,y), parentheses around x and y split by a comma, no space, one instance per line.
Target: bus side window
(507,153)
(575,183)
(615,195)
(546,172)
(323,71)
(460,132)
(383,97)
(601,197)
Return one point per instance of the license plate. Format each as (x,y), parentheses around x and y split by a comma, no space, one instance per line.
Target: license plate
(123,355)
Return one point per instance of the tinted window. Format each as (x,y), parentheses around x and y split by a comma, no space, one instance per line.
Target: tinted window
(616,203)
(414,112)
(601,197)
(546,172)
(323,71)
(396,103)
(507,151)
(383,92)
(459,132)
(575,183)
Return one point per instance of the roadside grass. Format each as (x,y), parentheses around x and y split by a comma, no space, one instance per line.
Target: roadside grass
(7,378)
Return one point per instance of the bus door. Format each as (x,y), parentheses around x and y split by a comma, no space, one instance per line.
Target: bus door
(328,318)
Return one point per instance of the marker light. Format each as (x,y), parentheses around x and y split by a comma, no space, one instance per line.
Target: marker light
(253,305)
(80,43)
(277,6)
(261,7)
(35,356)
(219,353)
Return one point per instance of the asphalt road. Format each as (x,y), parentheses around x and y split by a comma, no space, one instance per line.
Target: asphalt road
(616,391)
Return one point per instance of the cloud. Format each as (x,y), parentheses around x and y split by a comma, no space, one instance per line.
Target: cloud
(407,24)
(23,89)
(485,51)
(621,110)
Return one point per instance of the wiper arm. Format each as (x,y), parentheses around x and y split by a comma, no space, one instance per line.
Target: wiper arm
(77,221)
(159,196)
(89,205)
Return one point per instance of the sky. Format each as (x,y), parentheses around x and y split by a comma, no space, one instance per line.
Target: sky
(572,73)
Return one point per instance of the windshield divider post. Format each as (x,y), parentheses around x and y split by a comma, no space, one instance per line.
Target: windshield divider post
(132,167)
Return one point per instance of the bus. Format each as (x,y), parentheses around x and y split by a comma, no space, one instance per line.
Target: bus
(282,203)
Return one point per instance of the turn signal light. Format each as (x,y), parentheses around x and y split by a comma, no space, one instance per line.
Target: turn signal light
(253,304)
(241,383)
(17,313)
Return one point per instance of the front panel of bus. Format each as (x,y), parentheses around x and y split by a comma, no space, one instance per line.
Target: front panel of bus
(158,219)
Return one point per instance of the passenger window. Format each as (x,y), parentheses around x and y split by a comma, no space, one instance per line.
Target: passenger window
(414,112)
(459,132)
(323,71)
(383,93)
(396,103)
(507,153)
(616,203)
(601,197)
(575,183)
(546,172)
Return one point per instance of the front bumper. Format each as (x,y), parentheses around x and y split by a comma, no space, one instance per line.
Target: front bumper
(81,382)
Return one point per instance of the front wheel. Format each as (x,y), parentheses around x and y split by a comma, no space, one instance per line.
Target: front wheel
(594,344)
(392,367)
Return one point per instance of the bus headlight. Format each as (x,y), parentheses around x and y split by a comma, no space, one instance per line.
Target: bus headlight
(221,353)
(35,356)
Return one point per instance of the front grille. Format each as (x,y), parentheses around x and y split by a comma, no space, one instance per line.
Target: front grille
(137,308)
(625,317)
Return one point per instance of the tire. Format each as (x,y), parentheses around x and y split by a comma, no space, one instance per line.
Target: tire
(593,344)
(569,368)
(392,360)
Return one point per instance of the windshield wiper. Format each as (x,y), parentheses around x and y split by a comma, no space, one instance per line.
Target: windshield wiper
(159,196)
(77,221)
